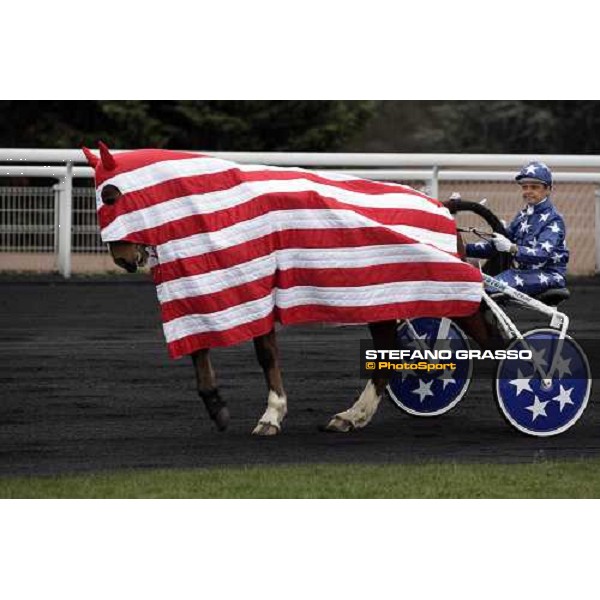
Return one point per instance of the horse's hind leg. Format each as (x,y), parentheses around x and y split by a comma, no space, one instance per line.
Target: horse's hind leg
(268,357)
(206,382)
(485,333)
(362,411)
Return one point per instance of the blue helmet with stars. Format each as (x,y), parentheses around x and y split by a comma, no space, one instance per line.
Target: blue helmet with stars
(535,171)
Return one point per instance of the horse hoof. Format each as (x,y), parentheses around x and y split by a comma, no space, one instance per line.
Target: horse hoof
(216,407)
(222,419)
(265,429)
(338,425)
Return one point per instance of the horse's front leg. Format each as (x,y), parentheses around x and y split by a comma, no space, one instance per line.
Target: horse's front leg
(362,411)
(268,358)
(206,382)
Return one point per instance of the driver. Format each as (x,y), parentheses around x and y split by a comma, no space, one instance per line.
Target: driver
(536,237)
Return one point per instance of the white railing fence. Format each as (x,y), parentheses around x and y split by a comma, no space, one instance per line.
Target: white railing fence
(62,219)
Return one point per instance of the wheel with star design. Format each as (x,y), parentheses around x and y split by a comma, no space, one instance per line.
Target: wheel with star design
(536,406)
(437,392)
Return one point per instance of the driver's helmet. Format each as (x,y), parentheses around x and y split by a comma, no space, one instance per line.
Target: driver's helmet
(535,172)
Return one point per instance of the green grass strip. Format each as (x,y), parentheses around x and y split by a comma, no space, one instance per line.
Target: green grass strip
(573,479)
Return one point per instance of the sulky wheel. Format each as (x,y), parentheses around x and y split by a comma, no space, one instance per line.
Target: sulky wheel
(537,407)
(430,394)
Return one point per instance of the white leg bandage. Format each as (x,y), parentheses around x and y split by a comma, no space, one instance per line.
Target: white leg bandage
(276,410)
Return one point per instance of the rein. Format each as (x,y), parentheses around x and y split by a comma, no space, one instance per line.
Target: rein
(484,235)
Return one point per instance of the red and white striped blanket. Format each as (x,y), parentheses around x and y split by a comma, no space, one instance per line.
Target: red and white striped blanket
(239,247)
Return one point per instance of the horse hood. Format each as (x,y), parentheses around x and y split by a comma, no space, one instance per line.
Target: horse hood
(241,247)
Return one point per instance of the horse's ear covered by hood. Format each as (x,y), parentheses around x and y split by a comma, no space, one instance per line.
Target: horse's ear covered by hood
(106,163)
(90,157)
(108,160)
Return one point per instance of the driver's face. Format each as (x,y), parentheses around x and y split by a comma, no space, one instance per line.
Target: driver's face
(533,192)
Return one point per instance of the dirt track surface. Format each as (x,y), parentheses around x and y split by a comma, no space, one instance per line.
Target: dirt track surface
(86,385)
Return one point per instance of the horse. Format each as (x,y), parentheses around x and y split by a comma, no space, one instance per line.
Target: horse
(131,187)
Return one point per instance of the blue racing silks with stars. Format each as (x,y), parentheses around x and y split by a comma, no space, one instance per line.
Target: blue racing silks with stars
(542,255)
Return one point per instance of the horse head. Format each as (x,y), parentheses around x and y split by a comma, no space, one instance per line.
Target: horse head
(125,254)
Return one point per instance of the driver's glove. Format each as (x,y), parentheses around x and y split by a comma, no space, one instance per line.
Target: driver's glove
(502,243)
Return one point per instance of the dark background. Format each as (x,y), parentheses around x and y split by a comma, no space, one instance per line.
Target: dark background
(479,126)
